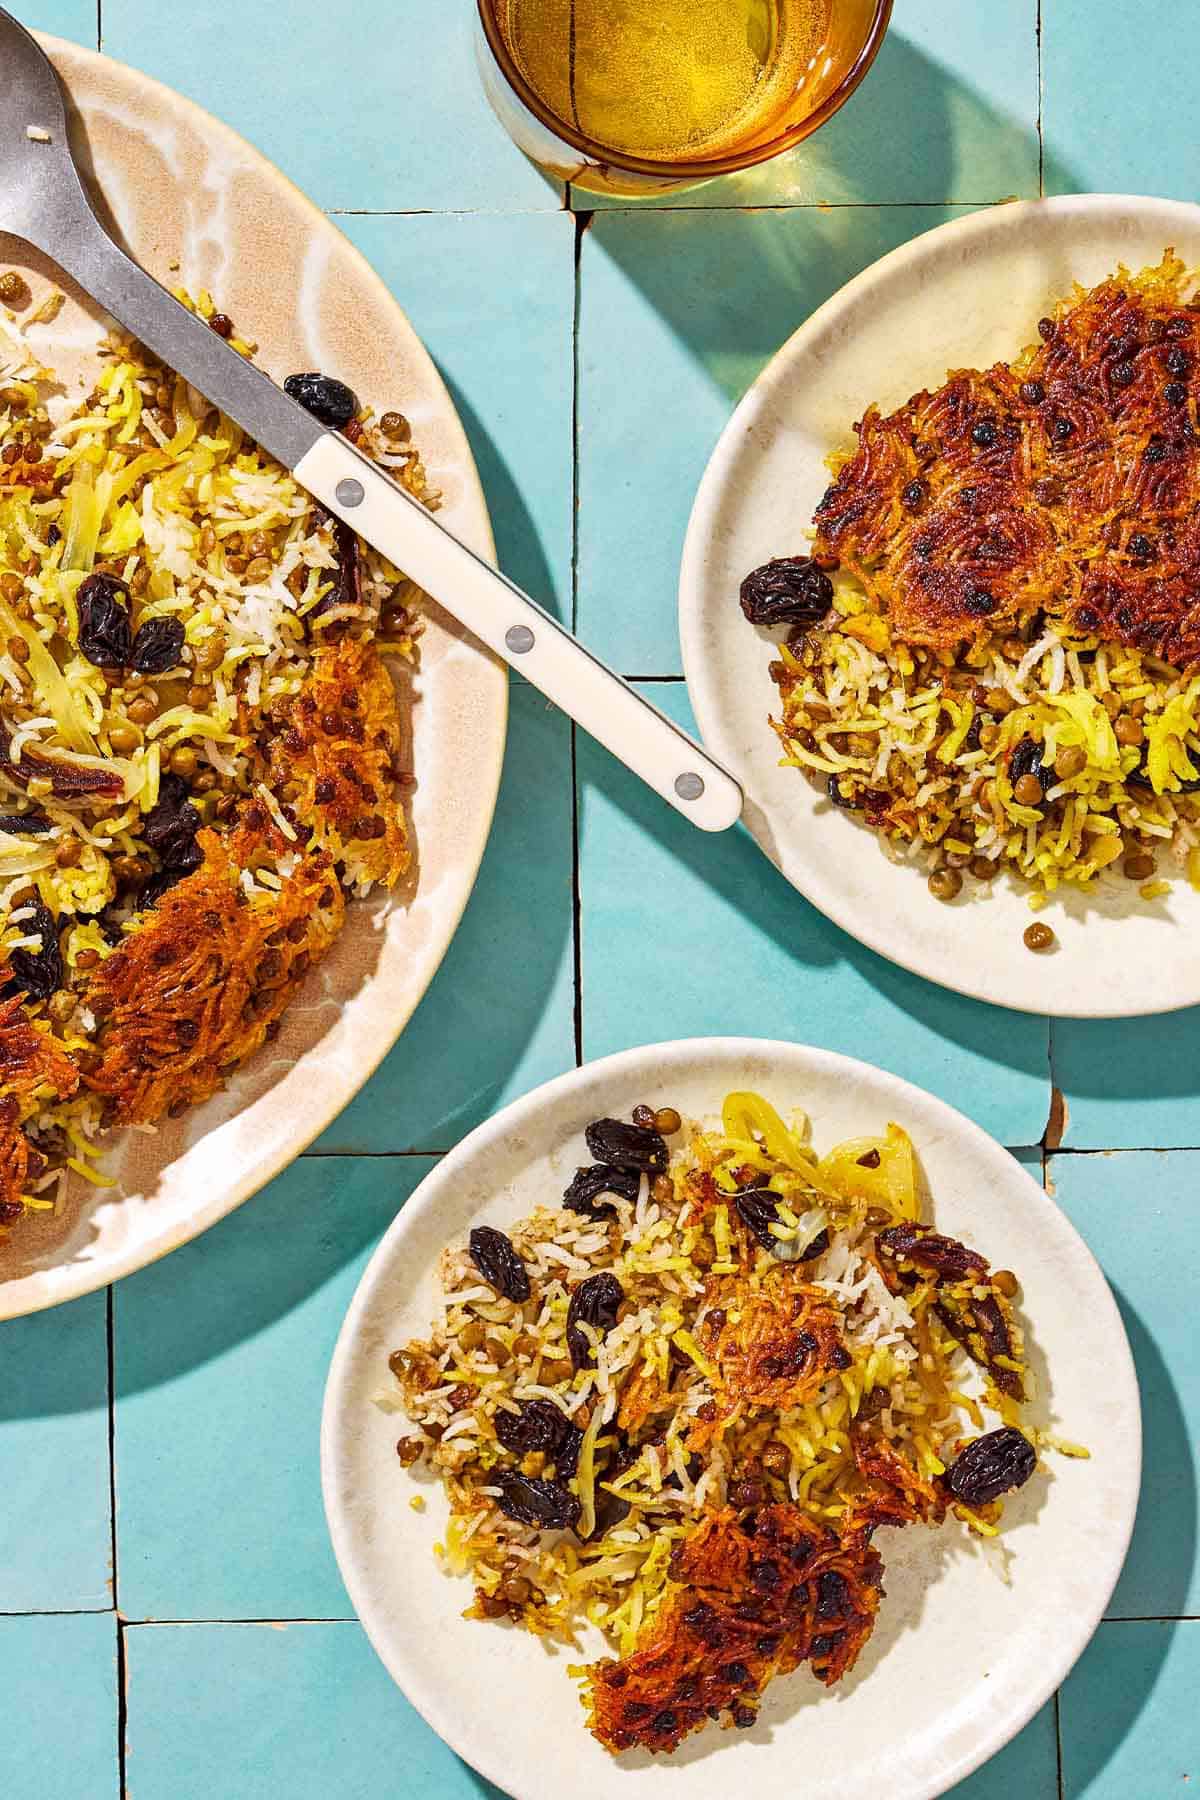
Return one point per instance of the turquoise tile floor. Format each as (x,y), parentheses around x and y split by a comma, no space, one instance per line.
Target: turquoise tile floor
(172,1625)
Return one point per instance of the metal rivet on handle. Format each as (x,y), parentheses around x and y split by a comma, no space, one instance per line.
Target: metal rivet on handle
(689,787)
(519,639)
(349,492)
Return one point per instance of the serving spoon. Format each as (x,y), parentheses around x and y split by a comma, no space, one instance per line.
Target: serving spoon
(43,200)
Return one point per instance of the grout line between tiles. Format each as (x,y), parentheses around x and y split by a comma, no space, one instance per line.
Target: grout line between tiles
(122,1710)
(1058,1747)
(1040,95)
(111,1359)
(182,1624)
(99,24)
(582,221)
(57,1612)
(379,1155)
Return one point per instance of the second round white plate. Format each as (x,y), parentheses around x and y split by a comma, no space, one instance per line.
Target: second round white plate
(960,1659)
(962,296)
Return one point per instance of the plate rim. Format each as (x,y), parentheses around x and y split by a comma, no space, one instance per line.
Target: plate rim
(338,1411)
(333,1096)
(709,717)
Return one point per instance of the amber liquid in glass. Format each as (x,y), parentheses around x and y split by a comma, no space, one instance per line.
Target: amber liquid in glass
(667,80)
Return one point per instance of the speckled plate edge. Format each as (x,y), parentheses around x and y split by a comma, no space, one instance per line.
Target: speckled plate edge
(958,295)
(84,70)
(365,1495)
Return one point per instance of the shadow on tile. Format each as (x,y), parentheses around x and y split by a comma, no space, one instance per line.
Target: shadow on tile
(519,548)
(740,875)
(1124,1090)
(901,140)
(1161,1563)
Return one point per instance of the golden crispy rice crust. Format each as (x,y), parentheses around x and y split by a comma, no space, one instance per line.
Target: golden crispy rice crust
(1067,483)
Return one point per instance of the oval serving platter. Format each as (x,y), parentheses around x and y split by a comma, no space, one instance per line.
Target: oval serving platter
(198,206)
(960,1659)
(960,296)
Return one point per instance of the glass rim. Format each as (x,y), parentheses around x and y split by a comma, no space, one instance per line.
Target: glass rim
(701,167)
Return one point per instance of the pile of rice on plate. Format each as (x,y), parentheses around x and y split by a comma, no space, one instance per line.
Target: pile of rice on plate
(199,744)
(992,653)
(678,1405)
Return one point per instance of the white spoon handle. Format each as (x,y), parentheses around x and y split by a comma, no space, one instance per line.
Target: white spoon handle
(518,630)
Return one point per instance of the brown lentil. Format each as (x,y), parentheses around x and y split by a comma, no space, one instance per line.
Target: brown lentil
(394,425)
(258,569)
(11,588)
(945,884)
(14,290)
(183,760)
(667,1121)
(69,853)
(1070,761)
(1038,937)
(1005,1282)
(208,540)
(984,868)
(60,1006)
(1028,790)
(1138,867)
(124,738)
(1128,731)
(87,959)
(18,649)
(211,654)
(409,1449)
(143,709)
(776,1459)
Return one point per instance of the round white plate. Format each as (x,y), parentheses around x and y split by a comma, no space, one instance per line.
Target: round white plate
(198,206)
(962,296)
(959,1660)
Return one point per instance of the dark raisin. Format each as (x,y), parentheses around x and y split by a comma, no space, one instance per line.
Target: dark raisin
(1062,429)
(979,603)
(818,1247)
(30,824)
(594,1302)
(821,1646)
(171,825)
(736,1674)
(1178,361)
(1033,393)
(967,497)
(1156,451)
(758,1209)
(913,494)
(831,1595)
(743,1715)
(540,1425)
(699,1617)
(1140,546)
(1048,491)
(766,1645)
(1124,616)
(665,1723)
(1087,618)
(1174,393)
(990,1466)
(792,590)
(105,637)
(37,973)
(983,434)
(1046,329)
(529,1501)
(600,1178)
(765,1576)
(1026,759)
(325,397)
(833,788)
(157,646)
(923,548)
(1179,328)
(625,1146)
(498,1263)
(1123,374)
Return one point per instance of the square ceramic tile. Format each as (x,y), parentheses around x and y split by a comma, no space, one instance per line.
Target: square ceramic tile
(367,104)
(221,1355)
(1119,103)
(1135,1084)
(499,1016)
(679,311)
(1028,1766)
(493,297)
(1128,1714)
(60,1707)
(55,1520)
(74,19)
(1138,1214)
(685,934)
(256,1712)
(949,111)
